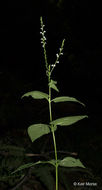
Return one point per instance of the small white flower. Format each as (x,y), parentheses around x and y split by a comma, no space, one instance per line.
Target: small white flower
(44,38)
(42,28)
(57,55)
(53,65)
(57,61)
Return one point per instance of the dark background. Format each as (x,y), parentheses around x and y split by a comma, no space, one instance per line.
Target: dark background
(21,55)
(79,22)
(78,74)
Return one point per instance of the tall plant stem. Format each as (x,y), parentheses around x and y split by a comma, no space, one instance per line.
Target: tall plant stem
(52,128)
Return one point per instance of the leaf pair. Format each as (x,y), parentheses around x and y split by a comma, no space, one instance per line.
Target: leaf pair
(37,130)
(66,162)
(42,95)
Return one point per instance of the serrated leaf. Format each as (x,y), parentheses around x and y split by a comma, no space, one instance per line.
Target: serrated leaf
(68,120)
(71,162)
(52,84)
(37,130)
(36,95)
(66,98)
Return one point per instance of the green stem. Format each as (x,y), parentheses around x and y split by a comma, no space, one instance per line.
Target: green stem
(52,129)
(55,148)
(45,56)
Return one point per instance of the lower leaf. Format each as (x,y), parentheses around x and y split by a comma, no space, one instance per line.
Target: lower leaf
(29,165)
(71,162)
(25,166)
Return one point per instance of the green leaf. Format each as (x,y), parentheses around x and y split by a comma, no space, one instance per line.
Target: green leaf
(71,162)
(36,95)
(66,98)
(37,130)
(68,120)
(27,166)
(53,81)
(54,87)
(52,84)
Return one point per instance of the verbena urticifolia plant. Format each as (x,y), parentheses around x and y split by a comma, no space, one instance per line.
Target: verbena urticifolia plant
(35,131)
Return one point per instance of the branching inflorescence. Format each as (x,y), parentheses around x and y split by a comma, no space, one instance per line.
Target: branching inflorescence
(43,42)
